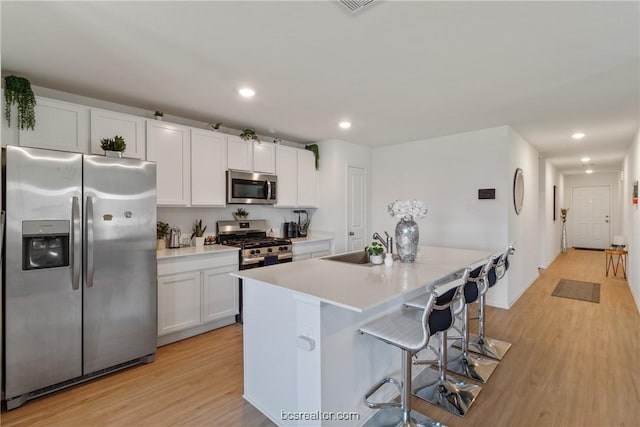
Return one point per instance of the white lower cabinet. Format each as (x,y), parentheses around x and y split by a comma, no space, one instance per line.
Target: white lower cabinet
(196,294)
(178,302)
(219,293)
(311,249)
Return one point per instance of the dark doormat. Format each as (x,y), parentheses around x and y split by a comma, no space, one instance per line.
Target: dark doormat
(575,289)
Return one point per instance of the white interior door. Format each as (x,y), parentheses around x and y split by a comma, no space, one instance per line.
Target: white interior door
(356,214)
(591,217)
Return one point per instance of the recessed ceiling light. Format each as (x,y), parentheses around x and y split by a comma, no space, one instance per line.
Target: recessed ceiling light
(589,171)
(246,92)
(344,125)
(585,159)
(577,135)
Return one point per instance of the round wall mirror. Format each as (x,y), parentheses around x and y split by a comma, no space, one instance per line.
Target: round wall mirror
(518,190)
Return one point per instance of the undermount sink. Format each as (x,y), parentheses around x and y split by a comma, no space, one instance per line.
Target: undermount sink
(359,257)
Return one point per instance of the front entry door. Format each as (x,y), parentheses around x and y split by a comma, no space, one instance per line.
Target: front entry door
(591,217)
(356,219)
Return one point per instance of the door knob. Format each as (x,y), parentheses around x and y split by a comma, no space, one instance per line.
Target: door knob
(351,233)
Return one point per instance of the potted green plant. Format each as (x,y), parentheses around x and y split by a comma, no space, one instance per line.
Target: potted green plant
(198,233)
(316,153)
(17,91)
(215,126)
(158,115)
(113,147)
(240,214)
(375,252)
(249,134)
(162,230)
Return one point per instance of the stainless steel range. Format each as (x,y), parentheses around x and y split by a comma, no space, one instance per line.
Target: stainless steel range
(257,250)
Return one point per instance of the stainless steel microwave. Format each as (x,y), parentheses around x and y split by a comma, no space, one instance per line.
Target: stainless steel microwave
(251,188)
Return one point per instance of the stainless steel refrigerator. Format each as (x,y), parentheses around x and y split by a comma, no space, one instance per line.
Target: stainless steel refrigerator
(80,295)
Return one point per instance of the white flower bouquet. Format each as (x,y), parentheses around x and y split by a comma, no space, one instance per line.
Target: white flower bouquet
(407,209)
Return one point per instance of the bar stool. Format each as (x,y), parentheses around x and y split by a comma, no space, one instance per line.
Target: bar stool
(480,343)
(461,362)
(402,329)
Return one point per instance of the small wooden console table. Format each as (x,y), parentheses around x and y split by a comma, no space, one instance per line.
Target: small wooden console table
(621,261)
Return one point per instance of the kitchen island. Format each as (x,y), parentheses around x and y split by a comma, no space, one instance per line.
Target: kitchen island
(304,362)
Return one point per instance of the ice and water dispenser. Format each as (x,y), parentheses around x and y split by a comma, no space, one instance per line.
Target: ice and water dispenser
(45,244)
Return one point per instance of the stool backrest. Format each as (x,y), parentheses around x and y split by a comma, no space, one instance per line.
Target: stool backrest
(438,314)
(477,281)
(502,264)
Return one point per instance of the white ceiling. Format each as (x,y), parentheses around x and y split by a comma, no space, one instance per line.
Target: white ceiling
(400,71)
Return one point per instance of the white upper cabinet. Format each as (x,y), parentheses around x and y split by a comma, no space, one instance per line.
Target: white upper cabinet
(287,171)
(169,146)
(264,157)
(208,166)
(59,126)
(107,124)
(307,180)
(251,155)
(240,153)
(297,178)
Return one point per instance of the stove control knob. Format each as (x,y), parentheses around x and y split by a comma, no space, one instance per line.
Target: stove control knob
(257,251)
(252,252)
(269,250)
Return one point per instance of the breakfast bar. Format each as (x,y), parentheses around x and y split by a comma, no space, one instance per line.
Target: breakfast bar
(304,362)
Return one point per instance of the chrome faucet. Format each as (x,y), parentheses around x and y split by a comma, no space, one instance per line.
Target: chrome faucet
(388,243)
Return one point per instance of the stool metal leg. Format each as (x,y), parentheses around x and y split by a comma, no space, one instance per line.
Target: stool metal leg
(450,394)
(403,416)
(461,362)
(484,345)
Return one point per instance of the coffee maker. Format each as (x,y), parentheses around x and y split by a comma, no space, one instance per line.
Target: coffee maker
(290,230)
(303,223)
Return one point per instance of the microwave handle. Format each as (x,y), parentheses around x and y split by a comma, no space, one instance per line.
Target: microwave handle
(268,190)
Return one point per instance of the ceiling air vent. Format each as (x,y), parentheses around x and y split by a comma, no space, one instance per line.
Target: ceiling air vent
(355,5)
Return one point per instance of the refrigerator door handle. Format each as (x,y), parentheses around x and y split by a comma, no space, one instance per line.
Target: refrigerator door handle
(88,228)
(76,256)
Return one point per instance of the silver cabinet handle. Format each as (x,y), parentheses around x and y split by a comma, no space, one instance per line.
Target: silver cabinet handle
(76,256)
(88,229)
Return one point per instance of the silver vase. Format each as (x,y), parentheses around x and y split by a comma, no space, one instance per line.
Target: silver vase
(407,237)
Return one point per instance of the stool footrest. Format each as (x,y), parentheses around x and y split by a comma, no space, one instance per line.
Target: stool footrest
(430,362)
(372,390)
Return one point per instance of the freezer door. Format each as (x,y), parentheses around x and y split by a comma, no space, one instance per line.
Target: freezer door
(120,291)
(43,304)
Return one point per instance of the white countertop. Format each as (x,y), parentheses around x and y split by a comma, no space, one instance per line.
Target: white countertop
(361,287)
(192,250)
(312,237)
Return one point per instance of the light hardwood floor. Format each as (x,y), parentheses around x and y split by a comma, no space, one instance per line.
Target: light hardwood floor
(572,363)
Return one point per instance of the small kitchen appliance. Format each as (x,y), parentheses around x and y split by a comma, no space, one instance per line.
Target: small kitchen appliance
(251,188)
(174,237)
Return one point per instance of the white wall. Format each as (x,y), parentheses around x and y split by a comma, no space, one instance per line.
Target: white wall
(550,229)
(631,215)
(523,229)
(611,180)
(446,173)
(335,156)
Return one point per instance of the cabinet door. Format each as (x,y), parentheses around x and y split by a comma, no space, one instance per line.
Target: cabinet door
(178,302)
(240,154)
(107,124)
(208,166)
(264,157)
(59,126)
(168,145)
(287,171)
(307,186)
(220,294)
